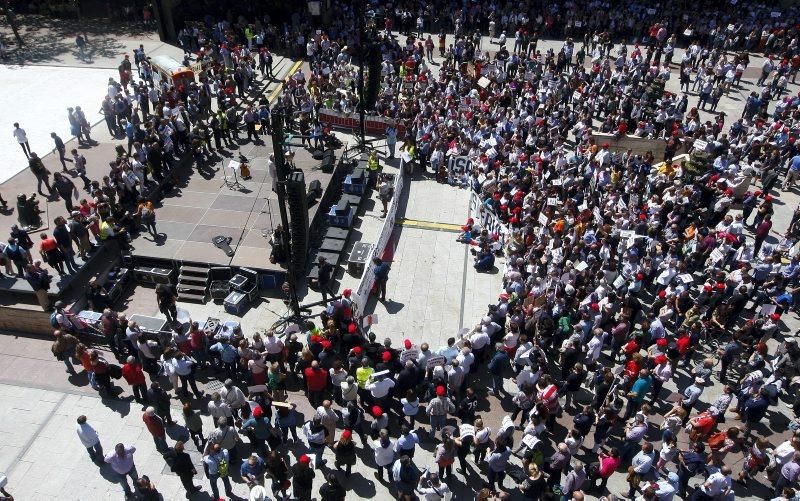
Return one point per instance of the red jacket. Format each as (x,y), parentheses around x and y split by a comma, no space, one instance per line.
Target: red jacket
(133,374)
(155,425)
(316,380)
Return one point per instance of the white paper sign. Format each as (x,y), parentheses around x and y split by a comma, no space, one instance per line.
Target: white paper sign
(775,14)
(716,255)
(435,361)
(598,216)
(530,441)
(543,219)
(651,11)
(619,282)
(700,145)
(686,278)
(578,24)
(552,201)
(411,354)
(581,266)
(466,430)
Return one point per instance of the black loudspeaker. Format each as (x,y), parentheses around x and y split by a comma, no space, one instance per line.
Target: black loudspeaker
(328,161)
(314,191)
(374,77)
(298,219)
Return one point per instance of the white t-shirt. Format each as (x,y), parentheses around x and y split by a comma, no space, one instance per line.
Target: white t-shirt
(20,135)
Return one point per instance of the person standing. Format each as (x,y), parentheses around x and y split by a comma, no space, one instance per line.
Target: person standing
(166,297)
(181,465)
(325,276)
(160,400)
(216,464)
(90,439)
(63,348)
(133,374)
(302,478)
(381,277)
(121,461)
(40,171)
(22,139)
(61,149)
(391,139)
(155,425)
(65,189)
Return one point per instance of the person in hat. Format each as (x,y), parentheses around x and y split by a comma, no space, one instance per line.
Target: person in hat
(302,478)
(438,408)
(259,429)
(345,451)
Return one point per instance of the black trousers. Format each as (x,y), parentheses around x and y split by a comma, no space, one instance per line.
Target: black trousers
(187,479)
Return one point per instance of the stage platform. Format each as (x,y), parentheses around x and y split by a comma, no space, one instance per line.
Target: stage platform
(202,206)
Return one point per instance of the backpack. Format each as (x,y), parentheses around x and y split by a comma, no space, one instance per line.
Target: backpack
(222,468)
(717,440)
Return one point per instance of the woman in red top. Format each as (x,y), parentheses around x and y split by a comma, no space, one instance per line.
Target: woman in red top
(82,353)
(51,254)
(604,468)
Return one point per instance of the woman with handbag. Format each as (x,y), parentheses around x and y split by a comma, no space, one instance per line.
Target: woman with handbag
(445,456)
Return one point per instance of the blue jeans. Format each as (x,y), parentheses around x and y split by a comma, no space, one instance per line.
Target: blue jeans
(497,383)
(68,356)
(123,479)
(226,481)
(95,452)
(437,422)
(161,443)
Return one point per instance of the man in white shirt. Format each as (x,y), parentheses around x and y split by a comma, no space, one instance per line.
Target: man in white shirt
(450,351)
(22,139)
(233,396)
(379,388)
(90,440)
(273,347)
(718,485)
(217,408)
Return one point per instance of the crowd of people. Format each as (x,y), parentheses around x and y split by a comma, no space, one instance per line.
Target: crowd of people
(623,273)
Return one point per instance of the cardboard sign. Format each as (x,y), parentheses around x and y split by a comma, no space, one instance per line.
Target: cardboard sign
(581,266)
(411,354)
(652,12)
(530,441)
(625,234)
(556,182)
(578,24)
(259,388)
(543,219)
(552,201)
(576,96)
(716,255)
(435,360)
(775,14)
(484,82)
(376,375)
(598,216)
(619,282)
(686,278)
(286,405)
(466,430)
(700,145)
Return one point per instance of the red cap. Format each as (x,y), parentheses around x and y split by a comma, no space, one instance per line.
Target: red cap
(315,339)
(347,434)
(352,328)
(639,276)
(661,359)
(720,286)
(440,391)
(642,217)
(347,292)
(407,344)
(605,145)
(357,350)
(707,288)
(258,411)
(595,306)
(775,317)
(662,294)
(377,411)
(304,459)
(768,198)
(386,356)
(325,344)
(661,342)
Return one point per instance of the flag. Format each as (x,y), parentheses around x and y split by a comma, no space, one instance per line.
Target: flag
(369,320)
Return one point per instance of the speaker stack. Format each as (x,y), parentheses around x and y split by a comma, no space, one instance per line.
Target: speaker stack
(328,161)
(298,218)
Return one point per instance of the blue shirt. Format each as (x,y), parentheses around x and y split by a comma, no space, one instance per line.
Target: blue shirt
(255,470)
(228,353)
(640,388)
(795,165)
(407,442)
(382,271)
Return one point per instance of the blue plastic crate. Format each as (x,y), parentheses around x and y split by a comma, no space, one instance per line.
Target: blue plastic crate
(341,221)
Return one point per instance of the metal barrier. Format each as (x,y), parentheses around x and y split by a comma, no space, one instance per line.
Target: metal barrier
(487,219)
(368,276)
